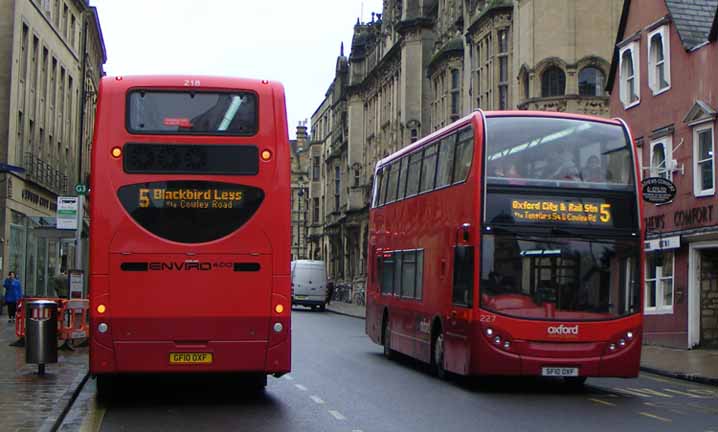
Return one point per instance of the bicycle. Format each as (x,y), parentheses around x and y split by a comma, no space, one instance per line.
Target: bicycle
(358,298)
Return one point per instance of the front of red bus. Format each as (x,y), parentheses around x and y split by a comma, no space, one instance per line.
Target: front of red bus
(561,261)
(189,261)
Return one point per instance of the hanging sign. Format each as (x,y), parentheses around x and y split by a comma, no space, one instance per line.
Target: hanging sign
(658,190)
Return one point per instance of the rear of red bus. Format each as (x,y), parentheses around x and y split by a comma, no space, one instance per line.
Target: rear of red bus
(190,227)
(560,255)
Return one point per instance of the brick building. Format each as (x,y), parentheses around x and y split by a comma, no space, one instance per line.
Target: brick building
(662,82)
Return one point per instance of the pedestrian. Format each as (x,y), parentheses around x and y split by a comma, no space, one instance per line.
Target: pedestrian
(330,291)
(13,294)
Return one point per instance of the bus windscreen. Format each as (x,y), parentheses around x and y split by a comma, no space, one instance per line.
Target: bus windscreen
(192,113)
(556,152)
(559,278)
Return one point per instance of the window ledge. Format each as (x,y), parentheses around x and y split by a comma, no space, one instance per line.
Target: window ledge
(661,91)
(706,193)
(632,104)
(659,311)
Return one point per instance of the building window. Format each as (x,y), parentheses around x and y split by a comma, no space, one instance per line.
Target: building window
(703,178)
(315,168)
(659,70)
(503,56)
(553,82)
(659,281)
(590,82)
(337,179)
(455,86)
(23,53)
(414,135)
(630,73)
(661,157)
(315,211)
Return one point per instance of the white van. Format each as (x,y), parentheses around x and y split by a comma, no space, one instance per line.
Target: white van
(309,284)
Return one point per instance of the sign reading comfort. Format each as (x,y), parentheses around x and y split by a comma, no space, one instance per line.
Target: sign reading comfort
(592,212)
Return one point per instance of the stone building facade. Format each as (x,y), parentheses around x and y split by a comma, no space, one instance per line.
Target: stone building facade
(51,59)
(422,64)
(300,192)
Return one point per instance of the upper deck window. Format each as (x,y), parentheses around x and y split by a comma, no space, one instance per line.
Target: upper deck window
(192,113)
(553,152)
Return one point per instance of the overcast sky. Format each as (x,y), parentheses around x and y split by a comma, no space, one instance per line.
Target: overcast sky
(295,42)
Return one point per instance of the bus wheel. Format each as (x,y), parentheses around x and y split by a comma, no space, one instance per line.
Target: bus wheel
(575,383)
(105,388)
(257,382)
(322,307)
(386,338)
(438,356)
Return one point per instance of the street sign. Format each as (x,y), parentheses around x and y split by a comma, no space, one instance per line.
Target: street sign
(658,190)
(67,213)
(76,283)
(80,189)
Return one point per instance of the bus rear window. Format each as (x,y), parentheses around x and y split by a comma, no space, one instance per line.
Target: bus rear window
(192,113)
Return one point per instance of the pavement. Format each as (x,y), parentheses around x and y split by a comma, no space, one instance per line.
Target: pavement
(697,365)
(30,402)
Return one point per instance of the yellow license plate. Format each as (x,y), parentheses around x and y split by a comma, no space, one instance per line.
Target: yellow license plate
(190,358)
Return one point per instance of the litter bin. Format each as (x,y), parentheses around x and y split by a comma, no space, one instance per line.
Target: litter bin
(41,333)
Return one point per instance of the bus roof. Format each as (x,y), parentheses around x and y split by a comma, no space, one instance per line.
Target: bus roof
(203,82)
(477,114)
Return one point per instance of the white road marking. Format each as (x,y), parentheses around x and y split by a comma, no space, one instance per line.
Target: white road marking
(300,387)
(337,415)
(602,402)
(621,390)
(650,391)
(685,393)
(316,399)
(653,416)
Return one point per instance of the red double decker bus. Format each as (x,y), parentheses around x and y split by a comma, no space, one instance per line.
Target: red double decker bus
(509,243)
(190,232)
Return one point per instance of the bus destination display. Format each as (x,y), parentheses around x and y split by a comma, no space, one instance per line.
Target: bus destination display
(189,198)
(561,210)
(610,211)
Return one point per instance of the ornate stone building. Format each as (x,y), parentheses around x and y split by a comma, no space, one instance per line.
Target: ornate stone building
(300,161)
(51,59)
(422,64)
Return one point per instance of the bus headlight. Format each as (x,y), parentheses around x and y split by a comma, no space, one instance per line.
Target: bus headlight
(278,327)
(102,328)
(489,332)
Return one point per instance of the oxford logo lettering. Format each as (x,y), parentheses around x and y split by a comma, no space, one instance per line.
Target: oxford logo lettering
(563,330)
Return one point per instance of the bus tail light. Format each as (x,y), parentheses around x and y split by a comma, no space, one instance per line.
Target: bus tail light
(101,309)
(266,155)
(116,152)
(279,308)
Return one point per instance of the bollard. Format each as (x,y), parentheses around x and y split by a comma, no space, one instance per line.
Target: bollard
(41,333)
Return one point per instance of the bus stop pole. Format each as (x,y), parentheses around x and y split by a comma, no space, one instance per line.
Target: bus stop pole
(78,232)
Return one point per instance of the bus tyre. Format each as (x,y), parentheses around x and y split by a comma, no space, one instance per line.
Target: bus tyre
(257,382)
(575,383)
(105,388)
(437,357)
(322,307)
(386,338)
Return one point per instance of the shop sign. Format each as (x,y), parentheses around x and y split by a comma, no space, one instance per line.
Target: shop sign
(658,190)
(663,243)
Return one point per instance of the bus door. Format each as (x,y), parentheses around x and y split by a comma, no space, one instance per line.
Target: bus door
(457,324)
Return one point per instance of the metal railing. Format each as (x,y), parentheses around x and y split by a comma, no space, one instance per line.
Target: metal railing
(45,174)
